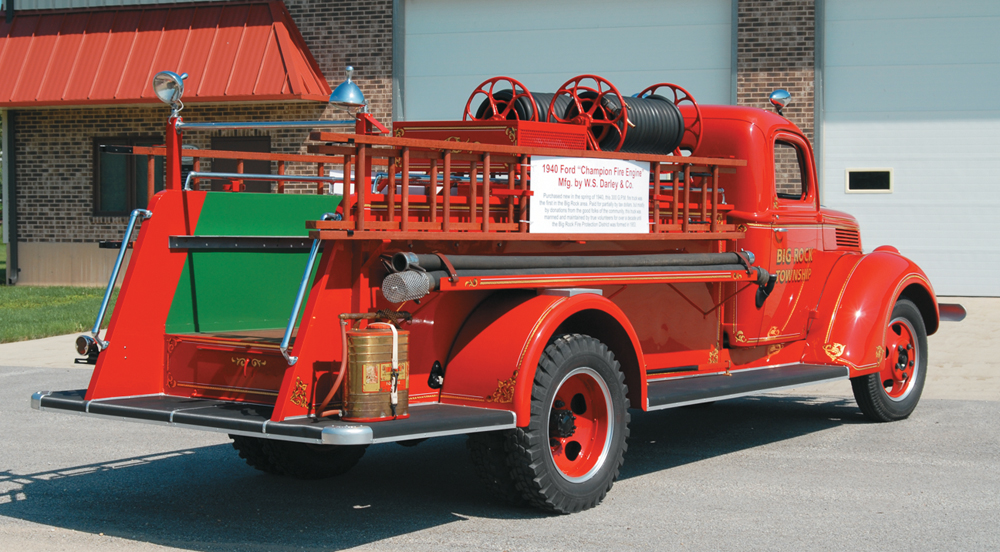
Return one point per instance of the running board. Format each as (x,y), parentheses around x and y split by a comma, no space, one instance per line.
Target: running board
(427,420)
(674,392)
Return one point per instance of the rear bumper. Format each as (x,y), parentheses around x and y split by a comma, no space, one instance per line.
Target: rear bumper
(430,420)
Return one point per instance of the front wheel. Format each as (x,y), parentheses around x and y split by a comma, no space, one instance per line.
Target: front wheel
(570,453)
(893,392)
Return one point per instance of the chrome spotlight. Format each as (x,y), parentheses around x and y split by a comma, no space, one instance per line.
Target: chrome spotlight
(347,95)
(169,87)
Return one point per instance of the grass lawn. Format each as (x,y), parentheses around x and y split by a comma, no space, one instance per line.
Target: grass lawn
(28,312)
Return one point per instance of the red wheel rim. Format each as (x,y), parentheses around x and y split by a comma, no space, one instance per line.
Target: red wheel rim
(584,396)
(901,364)
(500,110)
(692,131)
(590,108)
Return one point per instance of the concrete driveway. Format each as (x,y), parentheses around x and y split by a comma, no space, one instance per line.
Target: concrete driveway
(784,471)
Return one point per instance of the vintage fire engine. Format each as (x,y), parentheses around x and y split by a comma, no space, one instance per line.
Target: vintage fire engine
(525,275)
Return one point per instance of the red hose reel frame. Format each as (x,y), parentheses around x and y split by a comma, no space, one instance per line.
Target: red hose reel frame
(588,95)
(592,109)
(694,128)
(500,110)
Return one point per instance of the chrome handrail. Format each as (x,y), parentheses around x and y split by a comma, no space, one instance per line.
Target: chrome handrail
(249,176)
(145,214)
(287,338)
(263,125)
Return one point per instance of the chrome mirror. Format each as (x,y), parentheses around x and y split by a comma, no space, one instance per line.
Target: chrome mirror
(779,99)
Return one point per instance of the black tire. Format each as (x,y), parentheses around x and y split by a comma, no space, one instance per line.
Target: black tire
(251,449)
(553,481)
(489,459)
(307,461)
(883,396)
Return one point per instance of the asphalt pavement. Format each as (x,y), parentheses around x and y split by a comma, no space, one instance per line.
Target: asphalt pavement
(784,471)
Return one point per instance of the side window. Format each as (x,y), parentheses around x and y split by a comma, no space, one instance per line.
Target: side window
(788,176)
(120,180)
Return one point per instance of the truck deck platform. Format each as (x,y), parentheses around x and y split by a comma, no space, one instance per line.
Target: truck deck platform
(428,420)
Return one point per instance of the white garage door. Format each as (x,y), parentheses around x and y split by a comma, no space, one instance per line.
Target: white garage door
(912,85)
(451,46)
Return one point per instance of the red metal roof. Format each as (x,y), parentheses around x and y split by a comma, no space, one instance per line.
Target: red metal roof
(231,52)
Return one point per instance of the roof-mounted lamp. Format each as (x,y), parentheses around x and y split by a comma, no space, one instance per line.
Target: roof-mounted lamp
(348,96)
(169,87)
(779,99)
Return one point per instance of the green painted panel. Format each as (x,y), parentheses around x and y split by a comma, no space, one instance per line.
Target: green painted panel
(246,214)
(237,290)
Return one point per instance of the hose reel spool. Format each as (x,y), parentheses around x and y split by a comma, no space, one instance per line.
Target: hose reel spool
(499,105)
(651,122)
(596,104)
(523,110)
(656,126)
(692,126)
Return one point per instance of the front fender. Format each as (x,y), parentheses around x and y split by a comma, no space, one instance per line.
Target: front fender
(493,362)
(853,317)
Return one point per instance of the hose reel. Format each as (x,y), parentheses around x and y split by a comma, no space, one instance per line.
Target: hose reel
(651,122)
(499,105)
(693,129)
(597,104)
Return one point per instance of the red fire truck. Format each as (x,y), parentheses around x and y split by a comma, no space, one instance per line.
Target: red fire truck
(525,275)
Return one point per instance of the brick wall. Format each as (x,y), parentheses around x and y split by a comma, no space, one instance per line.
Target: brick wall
(55,146)
(775,48)
(55,159)
(357,33)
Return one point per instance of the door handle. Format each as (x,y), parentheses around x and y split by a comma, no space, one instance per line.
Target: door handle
(782,230)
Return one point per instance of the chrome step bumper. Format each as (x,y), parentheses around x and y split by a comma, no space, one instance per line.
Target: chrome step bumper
(428,420)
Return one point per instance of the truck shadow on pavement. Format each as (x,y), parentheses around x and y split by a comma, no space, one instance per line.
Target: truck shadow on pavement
(207,499)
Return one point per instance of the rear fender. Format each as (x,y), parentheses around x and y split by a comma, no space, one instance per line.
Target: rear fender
(853,317)
(493,362)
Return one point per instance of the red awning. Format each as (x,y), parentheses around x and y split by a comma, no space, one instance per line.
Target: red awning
(231,52)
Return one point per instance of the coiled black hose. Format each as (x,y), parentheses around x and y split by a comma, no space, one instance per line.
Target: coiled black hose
(523,108)
(657,125)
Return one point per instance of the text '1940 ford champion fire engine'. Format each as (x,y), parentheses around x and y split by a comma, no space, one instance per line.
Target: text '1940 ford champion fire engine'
(525,275)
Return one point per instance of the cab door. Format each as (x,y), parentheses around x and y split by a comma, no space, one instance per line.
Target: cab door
(795,241)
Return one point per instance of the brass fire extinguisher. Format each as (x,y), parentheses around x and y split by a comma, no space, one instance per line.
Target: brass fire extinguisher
(378,374)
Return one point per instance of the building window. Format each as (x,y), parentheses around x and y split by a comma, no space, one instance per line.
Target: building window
(121,180)
(789,182)
(256,144)
(869,181)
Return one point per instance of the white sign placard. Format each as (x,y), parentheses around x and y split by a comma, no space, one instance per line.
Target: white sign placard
(589,196)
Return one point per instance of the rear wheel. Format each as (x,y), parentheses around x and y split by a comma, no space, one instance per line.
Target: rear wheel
(251,449)
(893,392)
(301,460)
(569,455)
(308,461)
